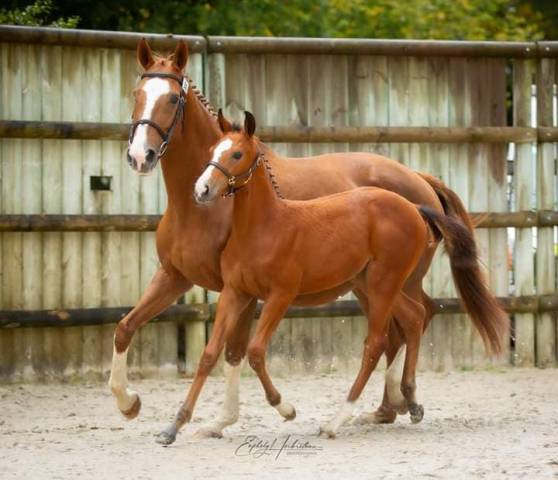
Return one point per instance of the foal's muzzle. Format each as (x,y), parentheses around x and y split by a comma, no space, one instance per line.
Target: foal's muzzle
(145,163)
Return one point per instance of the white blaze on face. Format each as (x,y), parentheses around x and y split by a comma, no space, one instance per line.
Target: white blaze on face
(202,182)
(153,88)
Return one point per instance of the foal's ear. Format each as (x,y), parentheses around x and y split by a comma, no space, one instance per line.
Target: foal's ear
(144,54)
(180,55)
(224,124)
(249,123)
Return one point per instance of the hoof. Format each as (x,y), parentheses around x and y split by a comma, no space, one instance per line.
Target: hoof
(208,432)
(290,416)
(417,413)
(326,431)
(286,410)
(167,436)
(381,416)
(134,410)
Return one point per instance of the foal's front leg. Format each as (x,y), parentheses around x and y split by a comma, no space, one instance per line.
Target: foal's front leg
(229,307)
(235,350)
(272,313)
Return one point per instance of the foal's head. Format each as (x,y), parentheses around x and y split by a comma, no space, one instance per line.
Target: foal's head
(233,160)
(159,105)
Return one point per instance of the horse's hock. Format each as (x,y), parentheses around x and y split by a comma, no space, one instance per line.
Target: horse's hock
(77,241)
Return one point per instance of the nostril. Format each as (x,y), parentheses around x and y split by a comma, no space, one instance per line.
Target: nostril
(150,156)
(205,190)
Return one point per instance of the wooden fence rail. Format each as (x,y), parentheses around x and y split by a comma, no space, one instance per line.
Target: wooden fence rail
(278,134)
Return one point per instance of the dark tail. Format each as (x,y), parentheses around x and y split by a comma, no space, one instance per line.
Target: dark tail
(487,314)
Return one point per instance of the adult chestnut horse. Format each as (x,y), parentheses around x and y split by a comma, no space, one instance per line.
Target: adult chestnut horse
(173,124)
(282,251)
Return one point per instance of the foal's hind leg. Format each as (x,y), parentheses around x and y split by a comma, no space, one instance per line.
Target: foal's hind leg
(235,350)
(410,316)
(382,291)
(165,287)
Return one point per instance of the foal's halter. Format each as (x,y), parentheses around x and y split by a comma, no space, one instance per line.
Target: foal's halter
(166,136)
(232,179)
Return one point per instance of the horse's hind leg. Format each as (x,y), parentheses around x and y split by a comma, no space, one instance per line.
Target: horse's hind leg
(235,350)
(272,313)
(163,290)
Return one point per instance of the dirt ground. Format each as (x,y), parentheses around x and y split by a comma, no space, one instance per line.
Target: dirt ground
(488,424)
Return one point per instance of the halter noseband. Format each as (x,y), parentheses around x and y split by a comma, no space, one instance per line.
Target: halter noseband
(166,136)
(232,179)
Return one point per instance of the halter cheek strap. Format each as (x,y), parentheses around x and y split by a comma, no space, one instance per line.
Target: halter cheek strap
(232,179)
(165,136)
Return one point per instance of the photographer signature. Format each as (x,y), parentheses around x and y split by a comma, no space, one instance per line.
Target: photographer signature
(252,446)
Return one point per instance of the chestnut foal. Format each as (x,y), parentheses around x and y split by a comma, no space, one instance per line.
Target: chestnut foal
(281,251)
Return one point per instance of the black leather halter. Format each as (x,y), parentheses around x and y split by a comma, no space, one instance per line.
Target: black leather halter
(232,179)
(166,136)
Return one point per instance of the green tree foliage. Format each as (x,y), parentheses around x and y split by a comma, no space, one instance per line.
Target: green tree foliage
(38,13)
(420,19)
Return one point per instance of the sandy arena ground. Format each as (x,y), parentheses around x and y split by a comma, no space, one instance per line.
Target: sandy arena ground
(489,424)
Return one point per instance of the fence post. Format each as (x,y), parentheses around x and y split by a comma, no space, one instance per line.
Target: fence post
(523,71)
(546,181)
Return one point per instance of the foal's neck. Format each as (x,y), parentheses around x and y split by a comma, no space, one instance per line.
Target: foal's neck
(257,202)
(188,155)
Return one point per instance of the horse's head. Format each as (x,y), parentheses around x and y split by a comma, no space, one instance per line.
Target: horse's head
(160,98)
(233,160)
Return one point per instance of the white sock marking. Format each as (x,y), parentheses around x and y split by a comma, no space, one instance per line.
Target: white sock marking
(118,381)
(394,374)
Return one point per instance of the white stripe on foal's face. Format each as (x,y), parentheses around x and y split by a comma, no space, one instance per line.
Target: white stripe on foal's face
(203,181)
(153,88)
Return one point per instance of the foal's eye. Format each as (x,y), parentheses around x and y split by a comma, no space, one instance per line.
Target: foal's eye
(174,98)
(237,155)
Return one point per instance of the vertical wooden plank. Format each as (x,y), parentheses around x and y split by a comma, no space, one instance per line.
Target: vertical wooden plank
(51,79)
(546,198)
(72,198)
(32,204)
(459,179)
(12,278)
(399,101)
(478,187)
(523,71)
(92,335)
(498,191)
(111,160)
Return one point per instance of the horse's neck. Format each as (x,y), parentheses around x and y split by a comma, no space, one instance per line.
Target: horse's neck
(256,203)
(188,155)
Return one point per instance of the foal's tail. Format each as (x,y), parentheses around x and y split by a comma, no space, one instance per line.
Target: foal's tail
(489,317)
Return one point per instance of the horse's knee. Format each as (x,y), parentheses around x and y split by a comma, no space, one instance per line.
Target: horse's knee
(256,357)
(234,355)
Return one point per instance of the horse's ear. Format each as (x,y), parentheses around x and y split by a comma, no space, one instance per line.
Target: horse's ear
(180,55)
(224,124)
(144,53)
(249,123)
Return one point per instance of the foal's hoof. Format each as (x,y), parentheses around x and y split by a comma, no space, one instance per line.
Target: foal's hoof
(327,431)
(134,410)
(207,432)
(167,436)
(417,412)
(286,410)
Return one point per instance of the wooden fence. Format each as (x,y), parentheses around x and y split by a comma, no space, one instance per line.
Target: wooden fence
(73,258)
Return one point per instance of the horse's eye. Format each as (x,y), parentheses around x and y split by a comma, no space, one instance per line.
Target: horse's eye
(237,155)
(174,99)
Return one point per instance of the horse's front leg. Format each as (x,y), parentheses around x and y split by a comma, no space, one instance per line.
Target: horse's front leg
(235,350)
(229,308)
(163,290)
(272,313)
